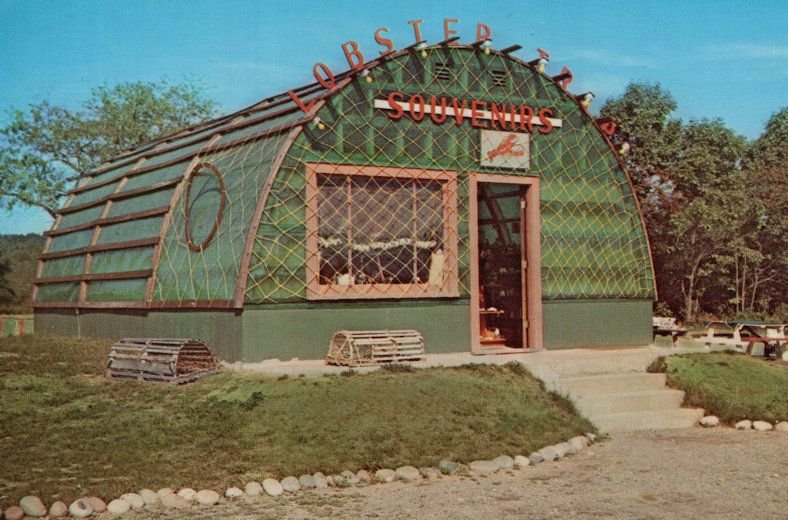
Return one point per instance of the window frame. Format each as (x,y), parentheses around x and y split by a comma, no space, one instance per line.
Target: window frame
(317,291)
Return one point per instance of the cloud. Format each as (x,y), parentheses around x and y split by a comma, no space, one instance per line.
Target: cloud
(609,58)
(746,50)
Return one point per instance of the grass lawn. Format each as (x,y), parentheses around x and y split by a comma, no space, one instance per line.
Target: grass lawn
(731,386)
(65,431)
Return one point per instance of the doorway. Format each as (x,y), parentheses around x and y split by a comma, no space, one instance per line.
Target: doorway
(505,267)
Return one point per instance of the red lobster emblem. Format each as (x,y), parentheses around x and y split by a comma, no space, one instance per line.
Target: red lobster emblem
(507,148)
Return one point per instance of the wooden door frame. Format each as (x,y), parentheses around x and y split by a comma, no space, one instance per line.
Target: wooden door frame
(533,254)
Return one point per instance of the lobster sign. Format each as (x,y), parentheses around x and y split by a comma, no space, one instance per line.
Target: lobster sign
(505,149)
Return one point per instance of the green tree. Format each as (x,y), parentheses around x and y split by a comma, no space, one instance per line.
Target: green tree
(44,149)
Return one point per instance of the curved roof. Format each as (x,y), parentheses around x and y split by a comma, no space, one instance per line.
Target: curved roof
(119,240)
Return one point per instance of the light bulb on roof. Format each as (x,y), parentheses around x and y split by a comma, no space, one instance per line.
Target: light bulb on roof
(588,97)
(319,123)
(423,48)
(366,75)
(486,46)
(542,64)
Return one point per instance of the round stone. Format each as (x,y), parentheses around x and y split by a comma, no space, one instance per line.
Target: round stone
(744,425)
(579,443)
(118,507)
(549,453)
(80,508)
(175,501)
(291,485)
(134,499)
(14,513)
(273,487)
(33,506)
(504,462)
(520,461)
(347,479)
(307,482)
(207,497)
(363,476)
(562,448)
(321,482)
(762,426)
(591,437)
(430,473)
(408,473)
(484,466)
(253,489)
(710,421)
(232,492)
(98,505)
(781,426)
(187,494)
(536,457)
(448,467)
(57,510)
(149,496)
(163,492)
(385,475)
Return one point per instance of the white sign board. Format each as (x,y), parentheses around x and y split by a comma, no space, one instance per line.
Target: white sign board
(506,149)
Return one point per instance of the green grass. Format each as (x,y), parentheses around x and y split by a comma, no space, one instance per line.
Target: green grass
(731,386)
(65,431)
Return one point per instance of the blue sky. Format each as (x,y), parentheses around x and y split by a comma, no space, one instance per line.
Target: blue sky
(726,59)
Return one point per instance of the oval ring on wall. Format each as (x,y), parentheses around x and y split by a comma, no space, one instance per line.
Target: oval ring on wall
(200,196)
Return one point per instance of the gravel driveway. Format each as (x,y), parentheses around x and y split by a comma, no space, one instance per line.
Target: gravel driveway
(717,473)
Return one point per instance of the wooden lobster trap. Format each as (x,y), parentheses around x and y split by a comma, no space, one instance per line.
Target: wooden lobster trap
(156,359)
(355,348)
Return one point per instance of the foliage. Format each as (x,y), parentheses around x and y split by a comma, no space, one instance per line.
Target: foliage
(61,419)
(731,386)
(714,205)
(17,269)
(46,148)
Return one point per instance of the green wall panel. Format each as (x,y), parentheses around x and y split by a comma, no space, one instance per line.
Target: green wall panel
(589,323)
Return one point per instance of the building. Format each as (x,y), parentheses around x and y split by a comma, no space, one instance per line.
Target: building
(452,189)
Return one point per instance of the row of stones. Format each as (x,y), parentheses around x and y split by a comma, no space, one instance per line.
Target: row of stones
(33,507)
(710,421)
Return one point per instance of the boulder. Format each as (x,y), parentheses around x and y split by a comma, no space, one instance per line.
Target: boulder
(449,467)
(430,473)
(134,500)
(549,453)
(56,510)
(762,426)
(207,497)
(483,466)
(385,475)
(272,487)
(14,513)
(536,458)
(253,489)
(744,425)
(321,482)
(187,494)
(408,473)
(98,505)
(175,501)
(291,485)
(710,421)
(163,492)
(149,496)
(80,508)
(579,443)
(232,492)
(591,437)
(33,506)
(363,476)
(504,462)
(307,482)
(781,426)
(562,449)
(118,507)
(521,461)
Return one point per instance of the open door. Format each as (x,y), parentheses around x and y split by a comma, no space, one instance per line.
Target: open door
(506,282)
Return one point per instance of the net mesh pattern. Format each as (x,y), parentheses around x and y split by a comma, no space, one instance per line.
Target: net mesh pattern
(593,244)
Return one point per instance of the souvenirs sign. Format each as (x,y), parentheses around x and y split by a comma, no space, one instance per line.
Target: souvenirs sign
(505,149)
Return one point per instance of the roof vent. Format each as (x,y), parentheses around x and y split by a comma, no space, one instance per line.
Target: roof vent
(499,78)
(442,72)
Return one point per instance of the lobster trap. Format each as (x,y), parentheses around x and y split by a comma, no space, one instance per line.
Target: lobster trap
(355,348)
(153,359)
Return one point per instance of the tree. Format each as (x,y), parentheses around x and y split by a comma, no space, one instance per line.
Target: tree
(46,148)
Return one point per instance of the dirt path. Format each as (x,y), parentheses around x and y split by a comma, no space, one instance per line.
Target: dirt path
(719,473)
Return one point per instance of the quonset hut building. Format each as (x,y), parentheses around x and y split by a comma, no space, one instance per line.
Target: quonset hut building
(454,190)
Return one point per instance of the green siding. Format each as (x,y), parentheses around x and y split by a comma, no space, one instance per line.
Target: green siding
(590,323)
(304,331)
